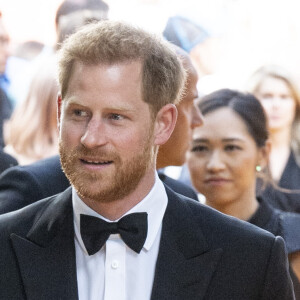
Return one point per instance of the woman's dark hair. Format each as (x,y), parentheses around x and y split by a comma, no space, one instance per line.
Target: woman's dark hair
(246,105)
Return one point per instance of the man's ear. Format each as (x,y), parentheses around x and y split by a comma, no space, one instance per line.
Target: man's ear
(59,104)
(164,123)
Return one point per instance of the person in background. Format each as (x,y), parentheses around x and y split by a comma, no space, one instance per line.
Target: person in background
(93,9)
(119,89)
(196,40)
(173,152)
(68,24)
(203,48)
(279,94)
(5,113)
(16,70)
(26,184)
(228,153)
(31,133)
(4,54)
(29,50)
(6,106)
(28,57)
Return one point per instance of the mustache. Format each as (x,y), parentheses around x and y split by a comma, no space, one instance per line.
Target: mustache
(81,151)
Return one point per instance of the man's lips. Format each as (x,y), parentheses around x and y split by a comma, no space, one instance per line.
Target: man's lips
(95,161)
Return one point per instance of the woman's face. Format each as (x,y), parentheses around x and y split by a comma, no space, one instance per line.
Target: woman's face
(223,158)
(278,102)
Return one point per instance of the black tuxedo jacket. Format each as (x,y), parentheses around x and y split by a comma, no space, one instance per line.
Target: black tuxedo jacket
(178,187)
(203,254)
(23,185)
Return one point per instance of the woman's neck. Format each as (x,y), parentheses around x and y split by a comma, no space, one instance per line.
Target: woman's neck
(281,138)
(242,208)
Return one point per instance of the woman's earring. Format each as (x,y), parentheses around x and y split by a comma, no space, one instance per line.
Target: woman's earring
(258,168)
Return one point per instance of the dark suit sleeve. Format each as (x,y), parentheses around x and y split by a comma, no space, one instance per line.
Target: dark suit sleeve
(278,284)
(18,188)
(178,186)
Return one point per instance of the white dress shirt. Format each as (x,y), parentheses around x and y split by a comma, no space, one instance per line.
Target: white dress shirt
(116,272)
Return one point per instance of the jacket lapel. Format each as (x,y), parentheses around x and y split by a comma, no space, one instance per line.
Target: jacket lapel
(46,256)
(185,263)
(47,261)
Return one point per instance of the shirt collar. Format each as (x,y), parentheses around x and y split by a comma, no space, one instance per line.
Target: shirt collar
(154,204)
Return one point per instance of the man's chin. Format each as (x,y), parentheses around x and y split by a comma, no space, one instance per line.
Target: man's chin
(100,196)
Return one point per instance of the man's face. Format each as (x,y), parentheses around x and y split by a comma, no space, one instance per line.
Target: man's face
(106,131)
(4,47)
(189,117)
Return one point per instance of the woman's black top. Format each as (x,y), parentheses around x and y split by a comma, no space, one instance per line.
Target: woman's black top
(284,224)
(290,179)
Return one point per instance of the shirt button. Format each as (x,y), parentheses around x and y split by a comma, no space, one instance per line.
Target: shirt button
(115,264)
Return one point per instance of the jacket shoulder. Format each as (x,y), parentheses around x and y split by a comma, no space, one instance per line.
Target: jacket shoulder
(23,185)
(20,221)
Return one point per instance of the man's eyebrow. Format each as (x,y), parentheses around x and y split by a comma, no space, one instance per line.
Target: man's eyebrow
(72,101)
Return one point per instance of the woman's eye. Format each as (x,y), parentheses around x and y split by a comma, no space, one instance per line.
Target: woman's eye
(199,148)
(267,96)
(284,97)
(232,147)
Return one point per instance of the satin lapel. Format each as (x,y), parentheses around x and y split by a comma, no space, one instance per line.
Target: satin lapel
(185,263)
(46,256)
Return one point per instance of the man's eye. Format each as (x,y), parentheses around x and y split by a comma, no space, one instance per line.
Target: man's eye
(116,117)
(79,113)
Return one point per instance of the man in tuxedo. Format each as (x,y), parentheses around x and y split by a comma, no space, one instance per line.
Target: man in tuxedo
(118,232)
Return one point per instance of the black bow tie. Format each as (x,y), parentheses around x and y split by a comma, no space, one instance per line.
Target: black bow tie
(132,228)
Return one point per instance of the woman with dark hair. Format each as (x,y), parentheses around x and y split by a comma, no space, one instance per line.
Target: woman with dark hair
(229,151)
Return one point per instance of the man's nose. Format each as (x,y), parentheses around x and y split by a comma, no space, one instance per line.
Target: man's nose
(94,135)
(197,117)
